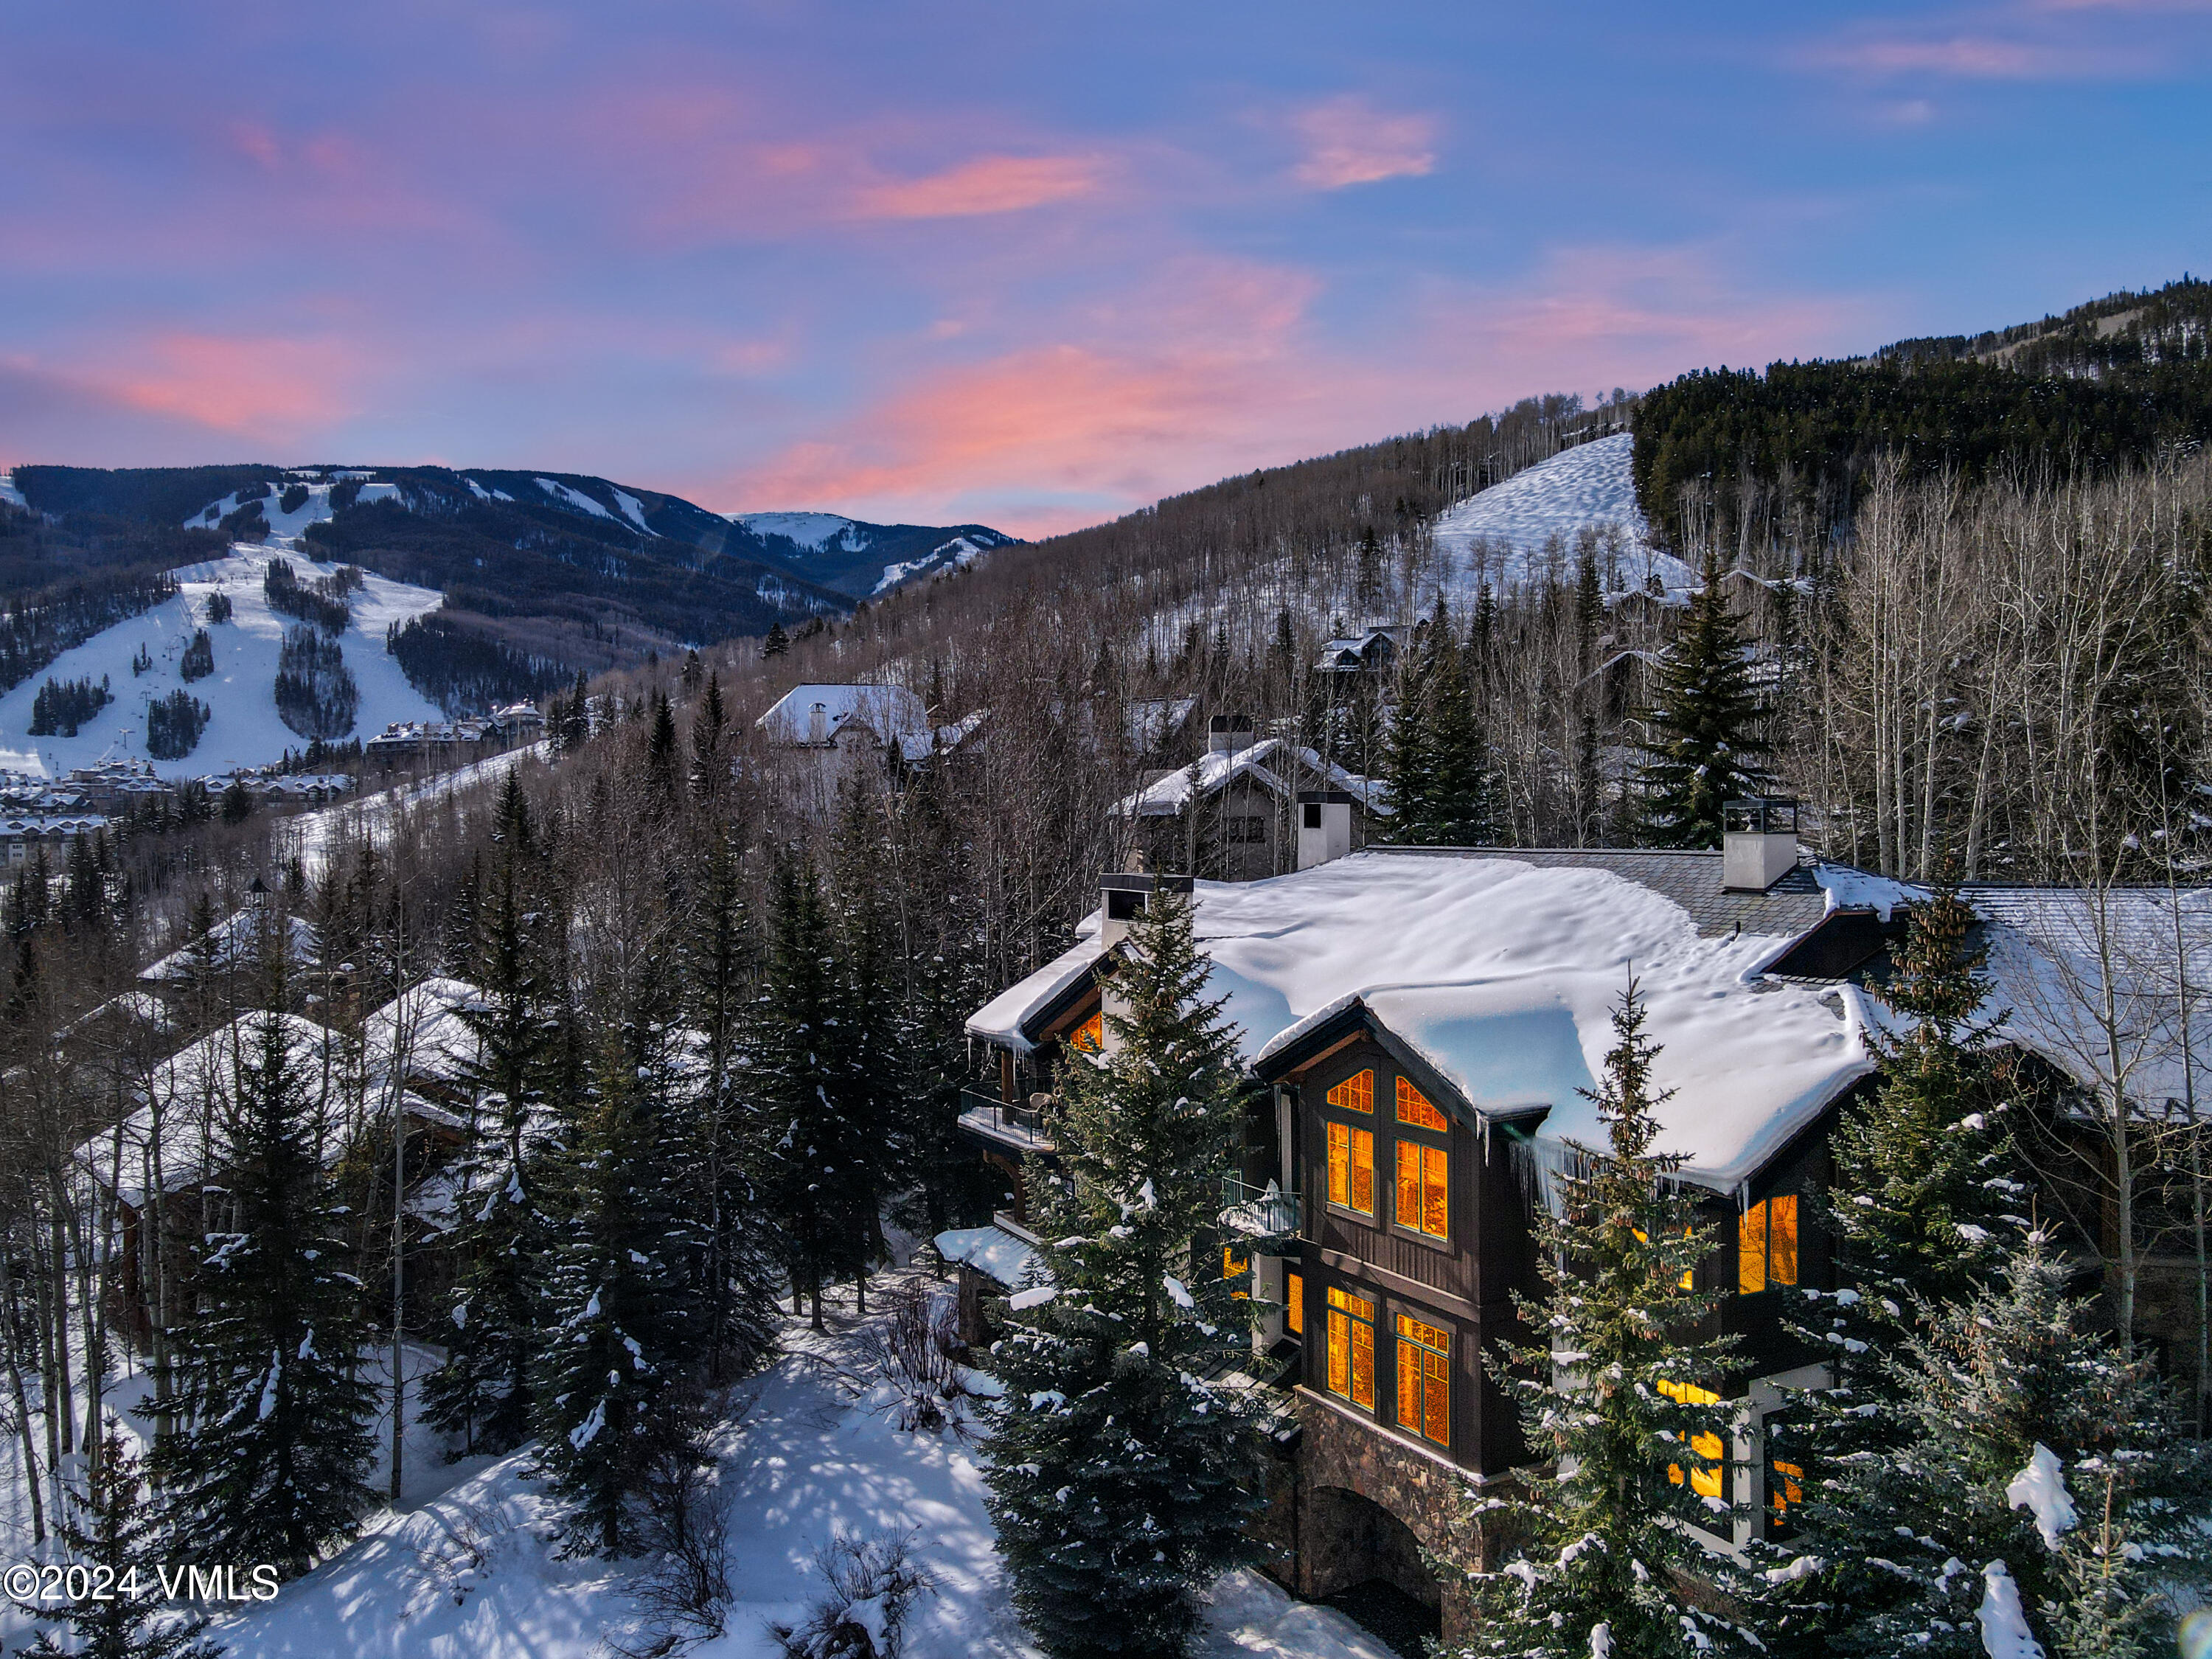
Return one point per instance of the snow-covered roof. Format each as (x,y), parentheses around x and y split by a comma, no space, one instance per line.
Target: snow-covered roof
(1167,796)
(235,944)
(196,1088)
(991,1251)
(421,1031)
(918,746)
(892,712)
(1502,973)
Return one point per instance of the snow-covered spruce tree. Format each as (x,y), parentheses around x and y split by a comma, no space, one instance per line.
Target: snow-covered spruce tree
(1921,1208)
(482,1393)
(1120,1480)
(1704,744)
(110,1524)
(613,1387)
(2025,1437)
(817,1122)
(1408,757)
(1622,1398)
(273,1417)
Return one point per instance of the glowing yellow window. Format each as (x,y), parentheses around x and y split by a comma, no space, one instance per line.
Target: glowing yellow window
(1425,1379)
(1355,1094)
(1090,1036)
(1234,1265)
(1786,1489)
(1294,1303)
(1352,1347)
(1423,1189)
(1767,1245)
(1689,1274)
(1414,1108)
(1352,1168)
(1706,1481)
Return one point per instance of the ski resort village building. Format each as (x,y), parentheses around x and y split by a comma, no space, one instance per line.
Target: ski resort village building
(1424,1028)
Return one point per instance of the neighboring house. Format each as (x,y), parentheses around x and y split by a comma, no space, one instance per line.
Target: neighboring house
(1425,1023)
(832,733)
(1372,651)
(236,945)
(1230,816)
(406,741)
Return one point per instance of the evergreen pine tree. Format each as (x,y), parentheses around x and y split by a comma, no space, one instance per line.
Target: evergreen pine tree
(710,764)
(818,1153)
(273,1420)
(1624,1398)
(660,747)
(1459,780)
(2026,1439)
(612,1389)
(1706,745)
(776,644)
(1120,1480)
(110,1524)
(482,1393)
(1408,760)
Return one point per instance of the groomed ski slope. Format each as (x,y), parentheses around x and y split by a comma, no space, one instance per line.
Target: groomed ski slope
(1502,535)
(244,729)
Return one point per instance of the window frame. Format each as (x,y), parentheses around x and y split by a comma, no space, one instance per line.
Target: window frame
(1439,1375)
(1354,1137)
(1351,1321)
(1767,1211)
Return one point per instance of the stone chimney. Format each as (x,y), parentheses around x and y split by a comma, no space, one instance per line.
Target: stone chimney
(817,724)
(1758,842)
(1324,826)
(1227,733)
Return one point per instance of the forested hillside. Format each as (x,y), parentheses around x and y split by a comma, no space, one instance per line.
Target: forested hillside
(2111,382)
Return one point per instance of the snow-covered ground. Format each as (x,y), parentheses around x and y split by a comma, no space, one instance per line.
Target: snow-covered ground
(310,834)
(245,729)
(286,527)
(811,531)
(960,551)
(8,493)
(1505,535)
(465,1569)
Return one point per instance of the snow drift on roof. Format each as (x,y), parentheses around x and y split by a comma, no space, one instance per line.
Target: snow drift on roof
(1503,976)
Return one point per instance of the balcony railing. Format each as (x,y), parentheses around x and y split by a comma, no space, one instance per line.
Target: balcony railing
(1020,1126)
(1260,1211)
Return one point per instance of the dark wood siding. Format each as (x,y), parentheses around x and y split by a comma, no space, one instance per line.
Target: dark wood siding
(1462,1285)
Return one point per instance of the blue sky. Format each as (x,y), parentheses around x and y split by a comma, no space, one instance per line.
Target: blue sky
(1028,264)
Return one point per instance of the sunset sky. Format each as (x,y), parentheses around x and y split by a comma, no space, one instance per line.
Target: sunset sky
(1028,264)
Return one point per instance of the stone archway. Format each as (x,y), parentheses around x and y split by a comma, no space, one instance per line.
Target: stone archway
(1351,1540)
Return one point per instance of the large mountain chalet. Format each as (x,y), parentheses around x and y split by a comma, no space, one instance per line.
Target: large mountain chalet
(1425,1023)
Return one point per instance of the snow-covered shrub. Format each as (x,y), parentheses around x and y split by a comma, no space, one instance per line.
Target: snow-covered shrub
(683,1584)
(918,1359)
(873,1583)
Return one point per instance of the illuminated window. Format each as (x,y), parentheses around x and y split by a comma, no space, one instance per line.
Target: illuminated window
(1234,1265)
(1355,1094)
(1767,1245)
(1414,1108)
(1689,1274)
(1706,1481)
(1425,1379)
(1352,1168)
(1352,1347)
(1294,1303)
(1785,1476)
(1090,1036)
(1424,1203)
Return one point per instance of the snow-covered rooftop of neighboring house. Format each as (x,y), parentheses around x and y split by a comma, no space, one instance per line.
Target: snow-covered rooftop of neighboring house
(196,1089)
(990,1250)
(1500,535)
(889,711)
(235,945)
(1502,974)
(917,746)
(1166,797)
(421,1031)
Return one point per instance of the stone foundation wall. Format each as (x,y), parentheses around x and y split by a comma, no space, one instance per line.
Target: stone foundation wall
(1359,1506)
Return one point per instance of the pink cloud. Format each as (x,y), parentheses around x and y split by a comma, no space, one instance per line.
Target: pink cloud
(990,184)
(1348,142)
(265,388)
(1980,57)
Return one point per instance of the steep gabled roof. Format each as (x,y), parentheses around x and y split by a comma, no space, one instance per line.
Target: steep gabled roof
(1263,763)
(890,712)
